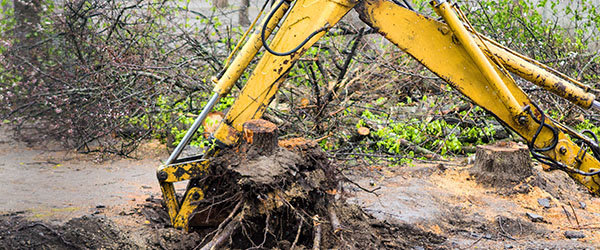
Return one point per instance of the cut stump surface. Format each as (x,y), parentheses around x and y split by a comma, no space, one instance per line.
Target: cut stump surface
(261,135)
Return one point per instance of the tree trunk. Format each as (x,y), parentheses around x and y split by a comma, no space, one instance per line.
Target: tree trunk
(261,136)
(27,19)
(220,3)
(243,14)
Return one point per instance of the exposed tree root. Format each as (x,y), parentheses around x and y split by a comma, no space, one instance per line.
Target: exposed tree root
(223,235)
(266,196)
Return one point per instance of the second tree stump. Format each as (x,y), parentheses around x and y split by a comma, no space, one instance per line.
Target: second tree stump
(502,165)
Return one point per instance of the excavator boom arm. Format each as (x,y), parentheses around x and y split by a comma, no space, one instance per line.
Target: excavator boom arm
(471,63)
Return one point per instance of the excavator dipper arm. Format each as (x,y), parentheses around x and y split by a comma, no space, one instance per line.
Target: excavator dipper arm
(447,50)
(471,63)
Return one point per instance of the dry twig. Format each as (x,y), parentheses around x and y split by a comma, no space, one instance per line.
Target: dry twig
(228,230)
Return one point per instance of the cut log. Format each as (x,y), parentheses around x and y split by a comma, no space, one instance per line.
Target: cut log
(428,153)
(297,143)
(261,135)
(502,165)
(364,131)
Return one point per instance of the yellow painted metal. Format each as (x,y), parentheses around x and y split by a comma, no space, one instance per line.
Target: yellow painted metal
(258,92)
(431,43)
(249,50)
(193,195)
(541,65)
(167,175)
(184,171)
(304,18)
(168,192)
(479,58)
(447,50)
(525,68)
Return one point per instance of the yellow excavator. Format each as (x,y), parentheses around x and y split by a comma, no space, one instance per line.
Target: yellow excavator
(473,64)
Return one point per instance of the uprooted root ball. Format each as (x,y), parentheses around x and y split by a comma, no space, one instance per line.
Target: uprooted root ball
(288,199)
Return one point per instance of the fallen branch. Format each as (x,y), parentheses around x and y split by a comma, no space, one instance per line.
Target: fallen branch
(574,214)
(567,214)
(359,186)
(220,238)
(419,149)
(335,222)
(504,233)
(317,239)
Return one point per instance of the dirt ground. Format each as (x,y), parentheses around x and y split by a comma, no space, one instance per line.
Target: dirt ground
(60,200)
(446,200)
(44,182)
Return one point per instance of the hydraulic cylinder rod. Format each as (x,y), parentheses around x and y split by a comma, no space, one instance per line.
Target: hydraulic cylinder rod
(231,75)
(482,62)
(254,43)
(523,67)
(190,133)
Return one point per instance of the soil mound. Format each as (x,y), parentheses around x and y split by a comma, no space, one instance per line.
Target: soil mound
(87,232)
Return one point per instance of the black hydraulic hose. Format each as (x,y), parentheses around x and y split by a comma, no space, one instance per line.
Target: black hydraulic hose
(536,152)
(262,34)
(407,4)
(404,4)
(542,123)
(594,148)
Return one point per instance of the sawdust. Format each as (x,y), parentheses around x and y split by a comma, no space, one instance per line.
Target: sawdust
(445,208)
(493,206)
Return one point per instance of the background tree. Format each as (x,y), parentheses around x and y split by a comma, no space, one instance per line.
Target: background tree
(244,20)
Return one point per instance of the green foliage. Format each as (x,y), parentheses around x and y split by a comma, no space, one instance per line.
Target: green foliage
(187,121)
(174,119)
(588,125)
(161,70)
(393,137)
(535,28)
(436,135)
(545,30)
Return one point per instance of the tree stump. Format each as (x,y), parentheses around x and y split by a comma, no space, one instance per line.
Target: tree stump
(502,165)
(261,136)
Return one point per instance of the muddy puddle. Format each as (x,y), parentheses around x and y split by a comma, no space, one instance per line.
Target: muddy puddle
(46,182)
